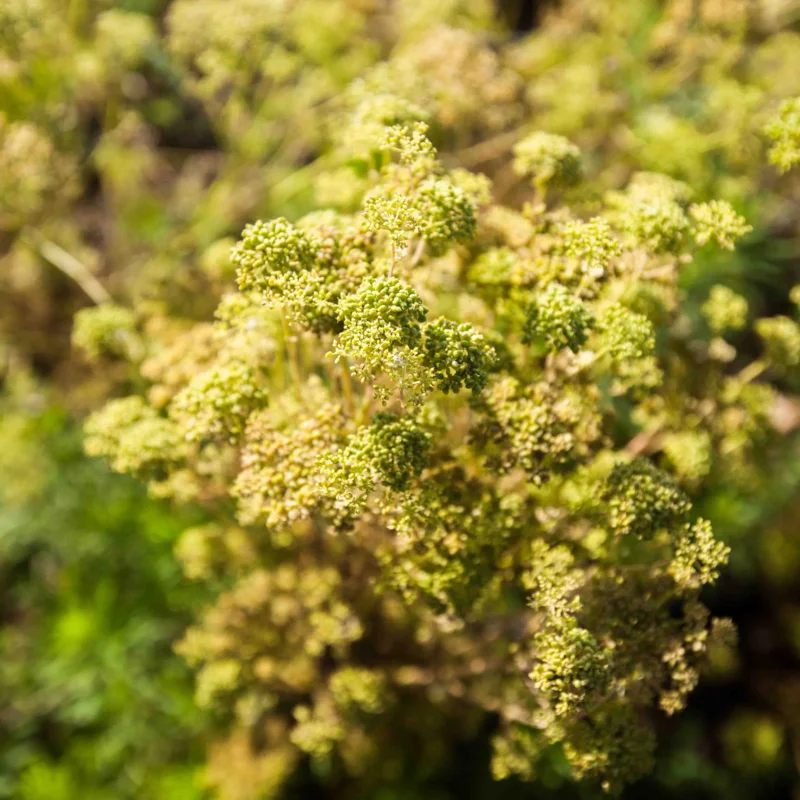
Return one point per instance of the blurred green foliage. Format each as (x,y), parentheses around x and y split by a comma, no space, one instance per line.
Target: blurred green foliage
(95,705)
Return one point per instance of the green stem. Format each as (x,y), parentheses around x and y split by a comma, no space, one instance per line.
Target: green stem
(418,252)
(347,387)
(752,371)
(597,356)
(294,356)
(69,265)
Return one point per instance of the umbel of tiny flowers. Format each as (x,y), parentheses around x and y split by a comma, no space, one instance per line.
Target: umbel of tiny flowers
(446,214)
(698,556)
(106,330)
(361,140)
(642,499)
(391,452)
(386,209)
(559,318)
(457,355)
(532,429)
(611,744)
(278,481)
(217,403)
(781,337)
(593,245)
(133,437)
(382,321)
(627,337)
(412,146)
(784,131)
(268,255)
(549,159)
(725,310)
(657,221)
(718,221)
(414,198)
(571,665)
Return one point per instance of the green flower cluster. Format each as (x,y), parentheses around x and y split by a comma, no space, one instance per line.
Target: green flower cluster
(718,221)
(593,245)
(549,159)
(387,210)
(457,355)
(216,403)
(558,317)
(513,549)
(106,329)
(446,214)
(133,437)
(391,452)
(31,172)
(534,428)
(279,481)
(628,339)
(725,310)
(698,556)
(572,666)
(552,579)
(305,269)
(784,131)
(412,146)
(414,199)
(612,745)
(781,337)
(658,220)
(382,322)
(445,532)
(268,255)
(642,500)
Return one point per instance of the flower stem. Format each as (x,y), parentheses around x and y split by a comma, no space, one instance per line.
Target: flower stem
(69,265)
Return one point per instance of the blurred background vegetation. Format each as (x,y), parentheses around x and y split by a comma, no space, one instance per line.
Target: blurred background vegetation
(138,136)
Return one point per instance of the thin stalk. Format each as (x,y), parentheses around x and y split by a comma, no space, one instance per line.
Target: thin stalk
(294,356)
(69,265)
(643,440)
(328,364)
(347,387)
(418,253)
(540,195)
(489,149)
(595,358)
(366,403)
(752,371)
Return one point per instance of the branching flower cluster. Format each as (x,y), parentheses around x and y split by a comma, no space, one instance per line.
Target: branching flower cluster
(448,433)
(434,419)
